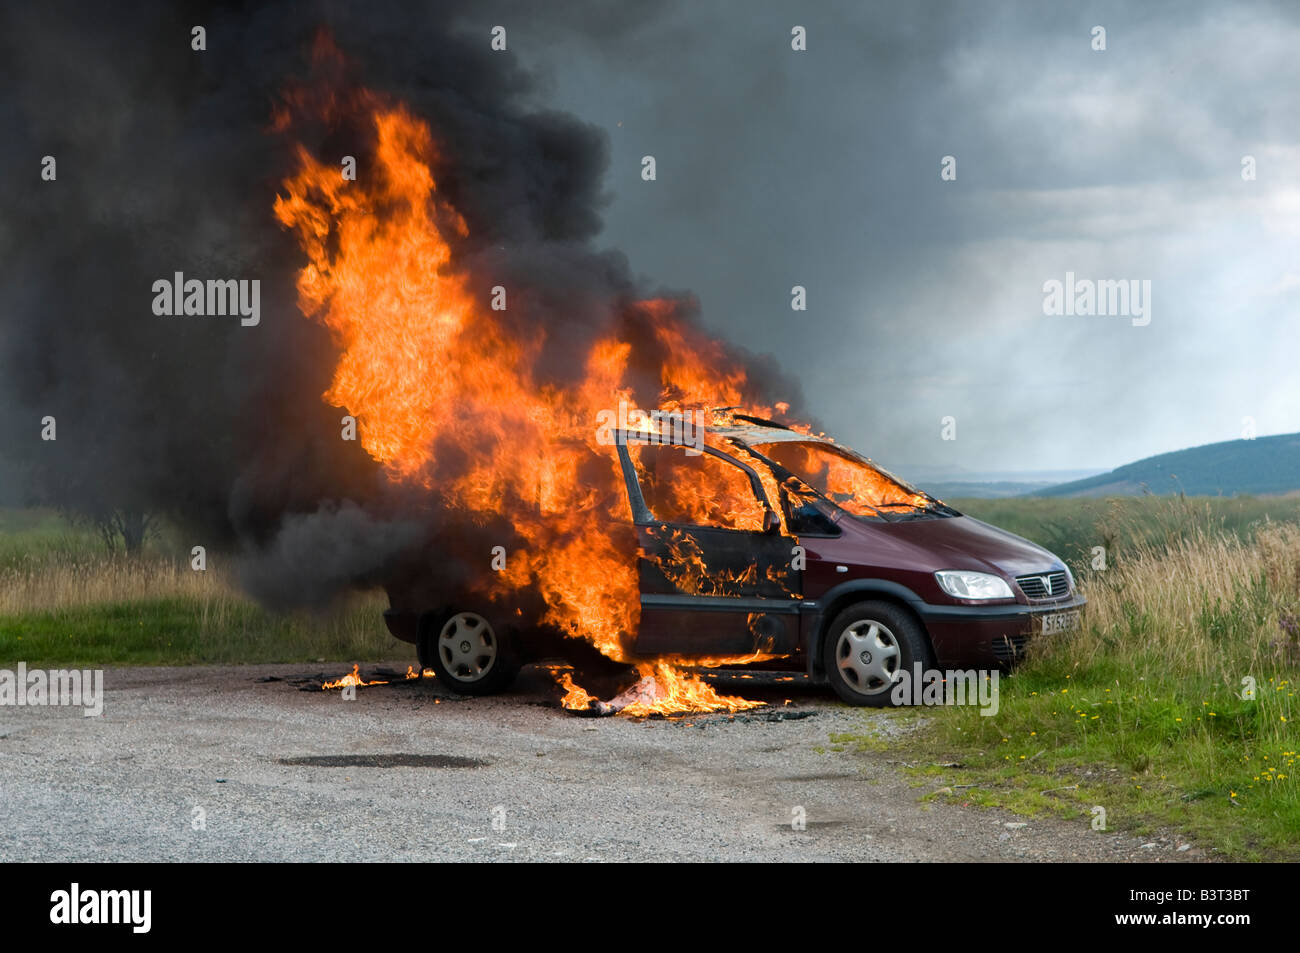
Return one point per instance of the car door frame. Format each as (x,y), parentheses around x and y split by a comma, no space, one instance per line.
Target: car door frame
(734,625)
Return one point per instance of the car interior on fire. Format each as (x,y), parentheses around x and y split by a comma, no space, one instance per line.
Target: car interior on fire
(763,545)
(682,485)
(847,481)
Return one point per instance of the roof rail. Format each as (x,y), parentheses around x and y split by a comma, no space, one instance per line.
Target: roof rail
(760,421)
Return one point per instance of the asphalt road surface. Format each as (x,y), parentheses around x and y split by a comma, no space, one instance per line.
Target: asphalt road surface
(211,763)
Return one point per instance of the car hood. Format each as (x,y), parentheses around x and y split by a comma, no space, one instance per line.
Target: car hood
(960,542)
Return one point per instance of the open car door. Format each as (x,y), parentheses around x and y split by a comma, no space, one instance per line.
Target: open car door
(715,567)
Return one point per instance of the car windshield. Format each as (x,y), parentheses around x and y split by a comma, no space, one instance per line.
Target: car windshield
(847,481)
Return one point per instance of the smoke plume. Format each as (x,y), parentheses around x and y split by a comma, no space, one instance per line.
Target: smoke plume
(169,159)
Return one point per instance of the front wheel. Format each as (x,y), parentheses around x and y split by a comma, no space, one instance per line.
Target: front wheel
(469,654)
(867,646)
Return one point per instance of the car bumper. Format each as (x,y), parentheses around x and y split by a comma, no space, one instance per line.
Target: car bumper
(966,636)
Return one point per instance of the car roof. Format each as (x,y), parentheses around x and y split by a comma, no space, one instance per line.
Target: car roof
(756,431)
(754,435)
(753,431)
(726,425)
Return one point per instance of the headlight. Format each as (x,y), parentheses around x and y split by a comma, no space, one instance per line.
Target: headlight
(973,585)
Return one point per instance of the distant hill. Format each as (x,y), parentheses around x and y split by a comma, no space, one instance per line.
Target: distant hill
(988,491)
(1264,465)
(952,482)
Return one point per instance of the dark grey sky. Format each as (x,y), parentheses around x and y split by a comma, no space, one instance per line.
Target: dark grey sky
(822,168)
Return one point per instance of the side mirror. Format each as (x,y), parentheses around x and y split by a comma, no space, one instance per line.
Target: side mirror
(771,522)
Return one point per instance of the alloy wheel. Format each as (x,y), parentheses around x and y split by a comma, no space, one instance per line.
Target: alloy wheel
(868,656)
(467,646)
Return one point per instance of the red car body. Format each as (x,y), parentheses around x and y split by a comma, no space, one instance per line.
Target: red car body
(809,564)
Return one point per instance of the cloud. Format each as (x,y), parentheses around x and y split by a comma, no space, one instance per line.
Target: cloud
(822,169)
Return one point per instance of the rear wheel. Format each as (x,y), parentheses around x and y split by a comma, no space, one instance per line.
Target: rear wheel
(867,646)
(470,654)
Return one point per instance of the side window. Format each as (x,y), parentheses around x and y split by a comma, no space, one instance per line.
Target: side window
(801,512)
(695,489)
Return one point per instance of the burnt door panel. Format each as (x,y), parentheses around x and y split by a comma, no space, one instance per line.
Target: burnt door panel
(712,581)
(708,591)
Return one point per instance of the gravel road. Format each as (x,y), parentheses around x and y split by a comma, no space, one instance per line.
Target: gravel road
(210,763)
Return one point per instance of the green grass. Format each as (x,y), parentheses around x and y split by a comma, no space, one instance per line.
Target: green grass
(1153,751)
(177,631)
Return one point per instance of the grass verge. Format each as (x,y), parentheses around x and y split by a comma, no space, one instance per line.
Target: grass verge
(64,602)
(186,631)
(1174,707)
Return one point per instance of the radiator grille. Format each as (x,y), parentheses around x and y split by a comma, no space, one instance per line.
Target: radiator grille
(1047,585)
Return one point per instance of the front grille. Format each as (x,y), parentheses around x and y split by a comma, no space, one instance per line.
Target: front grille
(1008,648)
(1047,585)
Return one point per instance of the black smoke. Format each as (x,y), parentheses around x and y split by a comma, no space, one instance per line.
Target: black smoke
(167,161)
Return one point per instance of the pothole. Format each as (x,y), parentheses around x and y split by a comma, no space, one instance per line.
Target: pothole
(384,761)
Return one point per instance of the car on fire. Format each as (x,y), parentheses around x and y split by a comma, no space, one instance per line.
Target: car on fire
(785,550)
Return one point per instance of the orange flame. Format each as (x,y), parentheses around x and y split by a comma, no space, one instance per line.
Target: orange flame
(680,692)
(352,678)
(856,487)
(576,698)
(663,689)
(446,393)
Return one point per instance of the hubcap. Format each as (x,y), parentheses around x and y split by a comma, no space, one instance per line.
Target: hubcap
(467,646)
(868,656)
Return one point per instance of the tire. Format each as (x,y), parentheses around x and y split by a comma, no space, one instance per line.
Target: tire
(867,645)
(470,654)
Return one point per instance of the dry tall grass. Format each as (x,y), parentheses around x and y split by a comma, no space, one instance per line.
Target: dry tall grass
(64,581)
(1204,602)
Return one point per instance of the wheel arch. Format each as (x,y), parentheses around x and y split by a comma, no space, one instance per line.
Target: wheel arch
(845,595)
(426,626)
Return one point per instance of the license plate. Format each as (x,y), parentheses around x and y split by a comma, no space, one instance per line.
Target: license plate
(1059,622)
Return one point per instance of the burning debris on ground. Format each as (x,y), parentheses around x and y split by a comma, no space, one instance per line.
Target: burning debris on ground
(379,675)
(662,689)
(644,691)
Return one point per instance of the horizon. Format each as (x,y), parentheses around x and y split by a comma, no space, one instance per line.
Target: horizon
(1083,471)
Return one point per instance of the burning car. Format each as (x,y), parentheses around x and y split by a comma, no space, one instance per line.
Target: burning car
(767,545)
(758,544)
